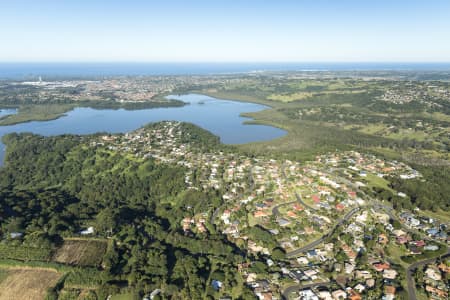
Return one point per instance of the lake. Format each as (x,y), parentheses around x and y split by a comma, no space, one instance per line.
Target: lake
(7,111)
(221,117)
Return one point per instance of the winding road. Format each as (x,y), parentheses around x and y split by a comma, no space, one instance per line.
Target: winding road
(299,199)
(375,204)
(411,270)
(276,210)
(317,242)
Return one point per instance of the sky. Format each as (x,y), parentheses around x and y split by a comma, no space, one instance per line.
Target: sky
(225,31)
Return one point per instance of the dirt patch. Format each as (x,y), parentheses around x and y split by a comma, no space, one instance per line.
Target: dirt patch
(81,252)
(27,284)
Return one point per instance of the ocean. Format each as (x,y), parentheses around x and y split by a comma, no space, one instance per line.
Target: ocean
(24,71)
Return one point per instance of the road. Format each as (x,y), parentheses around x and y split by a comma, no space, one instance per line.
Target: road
(285,293)
(276,211)
(411,270)
(312,245)
(301,202)
(214,215)
(299,199)
(375,204)
(317,242)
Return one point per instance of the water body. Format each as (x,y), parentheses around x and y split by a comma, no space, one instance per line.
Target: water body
(20,71)
(221,117)
(7,111)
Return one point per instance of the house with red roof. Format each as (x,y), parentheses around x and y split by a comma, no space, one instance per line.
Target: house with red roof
(298,207)
(351,194)
(315,198)
(340,207)
(381,266)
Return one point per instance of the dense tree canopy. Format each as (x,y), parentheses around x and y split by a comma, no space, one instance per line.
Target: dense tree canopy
(53,187)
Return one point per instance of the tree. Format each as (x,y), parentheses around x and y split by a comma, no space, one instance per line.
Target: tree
(278,253)
(106,220)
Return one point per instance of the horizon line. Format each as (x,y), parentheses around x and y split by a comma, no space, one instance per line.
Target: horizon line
(227,62)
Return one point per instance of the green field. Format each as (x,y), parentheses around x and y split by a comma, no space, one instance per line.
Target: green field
(375,181)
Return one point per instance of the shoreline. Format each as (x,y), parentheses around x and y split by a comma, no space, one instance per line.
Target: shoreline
(41,113)
(63,109)
(220,96)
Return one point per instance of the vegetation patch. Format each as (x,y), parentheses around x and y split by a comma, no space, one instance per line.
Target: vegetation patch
(24,253)
(81,252)
(42,112)
(125,296)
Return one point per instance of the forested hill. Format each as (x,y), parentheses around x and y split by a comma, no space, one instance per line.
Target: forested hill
(53,187)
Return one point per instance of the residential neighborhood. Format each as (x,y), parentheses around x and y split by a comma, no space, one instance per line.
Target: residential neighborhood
(335,238)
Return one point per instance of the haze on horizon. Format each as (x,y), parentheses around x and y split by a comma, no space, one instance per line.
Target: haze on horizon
(225,31)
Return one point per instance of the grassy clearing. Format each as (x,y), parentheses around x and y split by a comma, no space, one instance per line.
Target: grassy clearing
(395,253)
(375,181)
(290,97)
(439,116)
(372,128)
(29,284)
(441,215)
(306,95)
(81,252)
(410,134)
(252,221)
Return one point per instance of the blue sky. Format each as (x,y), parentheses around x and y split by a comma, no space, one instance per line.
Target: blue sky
(223,31)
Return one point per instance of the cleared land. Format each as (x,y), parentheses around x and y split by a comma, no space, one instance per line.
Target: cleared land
(27,284)
(81,252)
